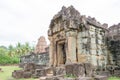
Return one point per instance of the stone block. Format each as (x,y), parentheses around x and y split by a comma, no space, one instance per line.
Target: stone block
(93,46)
(55,78)
(75,69)
(50,71)
(88,69)
(104,73)
(39,66)
(101,78)
(82,58)
(21,65)
(27,75)
(94,60)
(79,70)
(99,41)
(93,40)
(69,79)
(69,68)
(42,78)
(79,35)
(39,73)
(17,74)
(85,78)
(99,36)
(93,52)
(59,71)
(117,73)
(50,78)
(29,67)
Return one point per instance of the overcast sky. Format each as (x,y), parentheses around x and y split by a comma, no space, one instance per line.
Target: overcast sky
(27,20)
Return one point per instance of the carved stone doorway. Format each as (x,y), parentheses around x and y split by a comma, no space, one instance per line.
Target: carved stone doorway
(61,52)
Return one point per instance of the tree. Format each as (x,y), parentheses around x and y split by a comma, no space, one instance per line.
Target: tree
(10,50)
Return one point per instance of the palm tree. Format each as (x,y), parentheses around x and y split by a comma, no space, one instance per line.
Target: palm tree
(10,50)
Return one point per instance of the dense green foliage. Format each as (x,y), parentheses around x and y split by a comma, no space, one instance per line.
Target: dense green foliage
(11,54)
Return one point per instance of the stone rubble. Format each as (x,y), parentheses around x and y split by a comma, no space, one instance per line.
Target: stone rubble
(29,70)
(66,72)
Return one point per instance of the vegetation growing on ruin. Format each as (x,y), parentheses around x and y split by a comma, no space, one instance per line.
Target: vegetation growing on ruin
(11,54)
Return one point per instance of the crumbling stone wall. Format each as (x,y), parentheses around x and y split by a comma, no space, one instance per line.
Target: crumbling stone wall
(92,46)
(83,38)
(114,43)
(74,71)
(28,71)
(114,47)
(41,59)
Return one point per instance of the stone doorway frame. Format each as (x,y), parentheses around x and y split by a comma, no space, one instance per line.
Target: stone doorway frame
(60,53)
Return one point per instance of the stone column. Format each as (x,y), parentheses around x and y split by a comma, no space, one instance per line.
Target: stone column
(51,56)
(55,55)
(71,39)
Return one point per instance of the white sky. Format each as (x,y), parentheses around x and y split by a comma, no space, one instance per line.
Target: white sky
(27,20)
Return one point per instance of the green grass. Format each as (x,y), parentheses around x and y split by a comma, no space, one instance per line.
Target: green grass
(7,72)
(114,78)
(69,76)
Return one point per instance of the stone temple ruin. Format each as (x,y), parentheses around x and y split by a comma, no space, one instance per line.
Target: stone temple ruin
(75,38)
(41,45)
(80,46)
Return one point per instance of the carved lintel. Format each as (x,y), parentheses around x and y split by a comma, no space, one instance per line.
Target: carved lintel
(71,34)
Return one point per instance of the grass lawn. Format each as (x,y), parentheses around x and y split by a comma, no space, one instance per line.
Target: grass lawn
(114,78)
(7,72)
